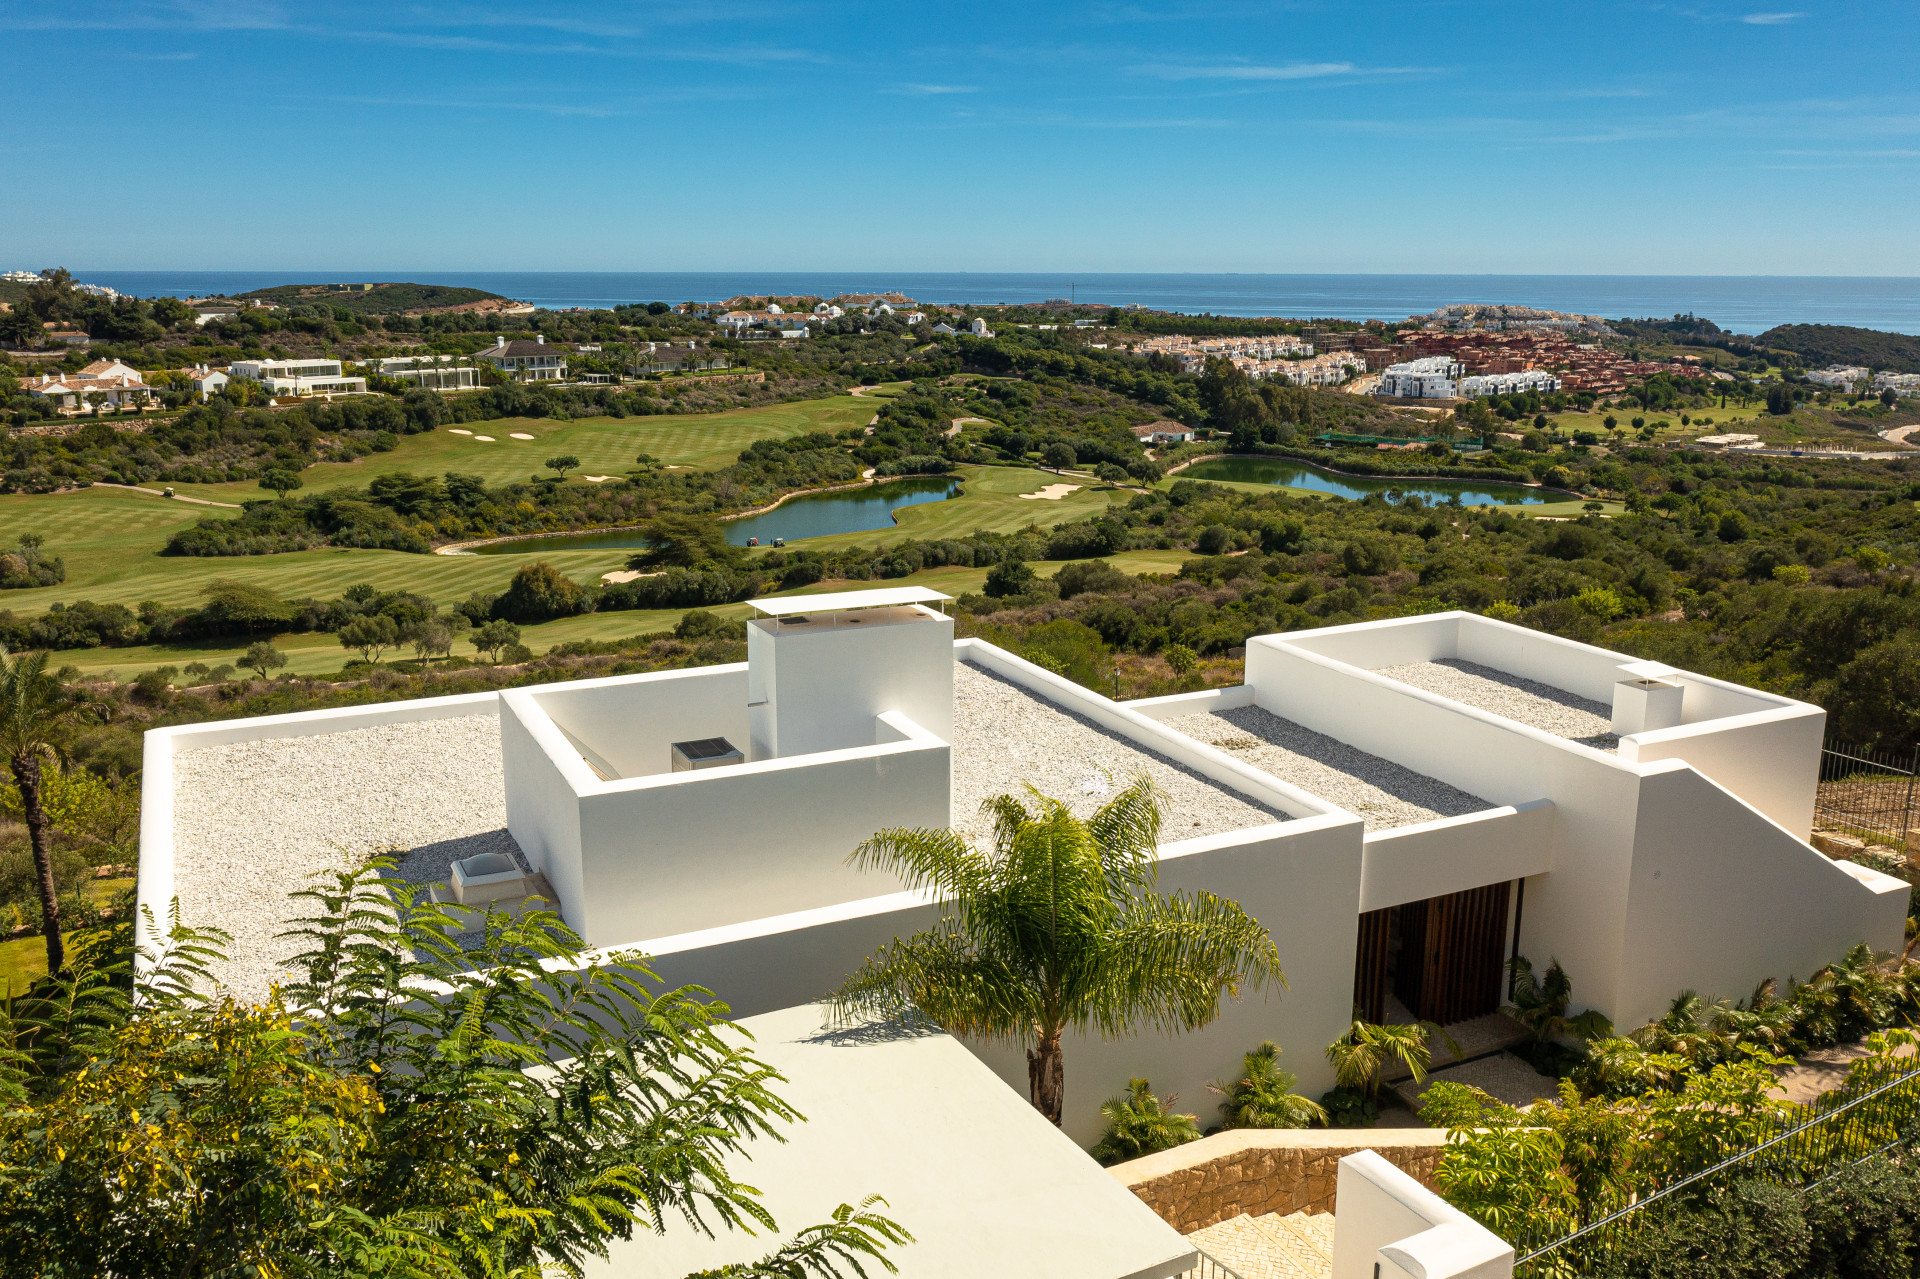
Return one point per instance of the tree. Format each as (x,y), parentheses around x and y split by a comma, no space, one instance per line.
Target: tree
(1264,1096)
(263,657)
(1058,928)
(684,541)
(538,593)
(372,634)
(281,481)
(1058,456)
(242,606)
(34,709)
(520,1122)
(1139,1123)
(1181,658)
(1009,577)
(495,636)
(562,464)
(1364,1052)
(647,463)
(1890,397)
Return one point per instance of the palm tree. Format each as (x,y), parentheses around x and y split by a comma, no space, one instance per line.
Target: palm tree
(1058,928)
(1541,1005)
(33,708)
(1264,1096)
(1139,1123)
(1359,1056)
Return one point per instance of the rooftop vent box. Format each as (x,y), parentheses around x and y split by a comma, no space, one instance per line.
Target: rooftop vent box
(708,752)
(488,877)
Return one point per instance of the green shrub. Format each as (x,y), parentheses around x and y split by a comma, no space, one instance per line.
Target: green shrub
(1139,1123)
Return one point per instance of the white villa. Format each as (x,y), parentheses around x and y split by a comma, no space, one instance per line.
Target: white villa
(526,361)
(1843,376)
(298,377)
(107,384)
(1404,804)
(434,372)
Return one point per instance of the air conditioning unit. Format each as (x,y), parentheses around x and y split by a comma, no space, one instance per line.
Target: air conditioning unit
(708,752)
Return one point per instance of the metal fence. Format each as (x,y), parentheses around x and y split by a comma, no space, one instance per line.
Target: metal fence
(1869,795)
(1209,1267)
(1801,1149)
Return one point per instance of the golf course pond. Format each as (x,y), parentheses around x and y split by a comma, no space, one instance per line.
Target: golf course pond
(1290,473)
(809,515)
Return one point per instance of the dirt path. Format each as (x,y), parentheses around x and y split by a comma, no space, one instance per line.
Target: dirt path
(136,488)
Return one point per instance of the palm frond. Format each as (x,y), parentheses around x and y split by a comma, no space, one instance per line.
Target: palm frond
(1170,959)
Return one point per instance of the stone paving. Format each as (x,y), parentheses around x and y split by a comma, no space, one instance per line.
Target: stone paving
(1298,1246)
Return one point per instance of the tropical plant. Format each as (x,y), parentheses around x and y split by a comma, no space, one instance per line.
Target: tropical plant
(1540,1004)
(35,711)
(1264,1096)
(1058,928)
(1362,1055)
(543,1104)
(1139,1123)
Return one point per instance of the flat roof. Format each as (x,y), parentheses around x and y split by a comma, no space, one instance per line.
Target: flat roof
(884,597)
(984,1184)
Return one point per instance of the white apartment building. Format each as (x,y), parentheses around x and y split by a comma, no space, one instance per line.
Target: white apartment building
(1481,385)
(298,377)
(1898,383)
(526,361)
(1843,376)
(1435,377)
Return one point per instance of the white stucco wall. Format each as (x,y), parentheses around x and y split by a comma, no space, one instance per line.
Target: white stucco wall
(817,687)
(1413,863)
(1390,1226)
(1770,758)
(632,721)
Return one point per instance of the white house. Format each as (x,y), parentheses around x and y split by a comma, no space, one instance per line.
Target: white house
(206,382)
(298,377)
(978,327)
(1898,383)
(434,372)
(1432,378)
(106,384)
(1164,431)
(526,361)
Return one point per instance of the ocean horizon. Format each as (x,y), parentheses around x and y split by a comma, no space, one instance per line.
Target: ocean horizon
(1742,304)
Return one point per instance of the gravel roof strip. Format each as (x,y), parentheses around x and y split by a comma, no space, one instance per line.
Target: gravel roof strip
(1005,737)
(1382,793)
(1525,701)
(255,821)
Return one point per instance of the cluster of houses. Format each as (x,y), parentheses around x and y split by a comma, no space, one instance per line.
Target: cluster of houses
(103,385)
(1846,377)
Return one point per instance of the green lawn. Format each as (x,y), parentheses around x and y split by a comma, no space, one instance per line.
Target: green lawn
(25,958)
(604,445)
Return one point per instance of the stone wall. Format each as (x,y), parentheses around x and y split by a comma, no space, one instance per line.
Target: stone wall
(1263,1170)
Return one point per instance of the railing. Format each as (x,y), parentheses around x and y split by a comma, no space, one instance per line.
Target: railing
(1807,1145)
(1867,794)
(1209,1267)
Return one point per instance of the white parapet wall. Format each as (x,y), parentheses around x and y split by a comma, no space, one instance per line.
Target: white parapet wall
(1389,1226)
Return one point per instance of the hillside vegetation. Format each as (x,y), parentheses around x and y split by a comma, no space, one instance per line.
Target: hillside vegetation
(1819,345)
(376,299)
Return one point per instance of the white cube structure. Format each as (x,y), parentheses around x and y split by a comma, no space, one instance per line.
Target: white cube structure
(1642,705)
(821,667)
(487,878)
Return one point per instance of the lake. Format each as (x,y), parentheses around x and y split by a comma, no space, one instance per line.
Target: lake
(1305,475)
(811,515)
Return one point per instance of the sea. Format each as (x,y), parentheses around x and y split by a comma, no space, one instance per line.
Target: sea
(1741,304)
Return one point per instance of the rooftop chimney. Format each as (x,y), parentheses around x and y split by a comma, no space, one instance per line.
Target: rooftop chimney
(541,338)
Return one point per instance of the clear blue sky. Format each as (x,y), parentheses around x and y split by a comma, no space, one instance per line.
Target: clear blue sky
(1590,137)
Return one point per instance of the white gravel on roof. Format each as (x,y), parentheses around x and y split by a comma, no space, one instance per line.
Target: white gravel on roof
(1525,701)
(1383,793)
(255,821)
(1005,737)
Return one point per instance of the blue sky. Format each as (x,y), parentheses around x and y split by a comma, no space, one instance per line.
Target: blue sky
(1588,137)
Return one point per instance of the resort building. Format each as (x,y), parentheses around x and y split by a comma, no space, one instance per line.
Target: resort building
(1898,383)
(525,361)
(1434,377)
(298,377)
(1403,804)
(1481,385)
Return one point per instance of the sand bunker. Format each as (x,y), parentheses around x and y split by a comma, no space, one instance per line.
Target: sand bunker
(454,430)
(485,439)
(1052,492)
(518,435)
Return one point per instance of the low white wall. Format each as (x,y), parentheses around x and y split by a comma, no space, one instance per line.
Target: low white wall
(632,721)
(1390,1225)
(1399,641)
(1770,759)
(1413,863)
(1723,898)
(1207,700)
(542,778)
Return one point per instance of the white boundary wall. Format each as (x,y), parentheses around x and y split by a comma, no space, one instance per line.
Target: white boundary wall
(1391,1227)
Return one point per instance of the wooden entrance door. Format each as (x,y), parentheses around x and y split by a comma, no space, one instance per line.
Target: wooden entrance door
(1448,960)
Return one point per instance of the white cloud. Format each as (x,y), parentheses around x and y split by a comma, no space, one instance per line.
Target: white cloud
(1769,19)
(1250,71)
